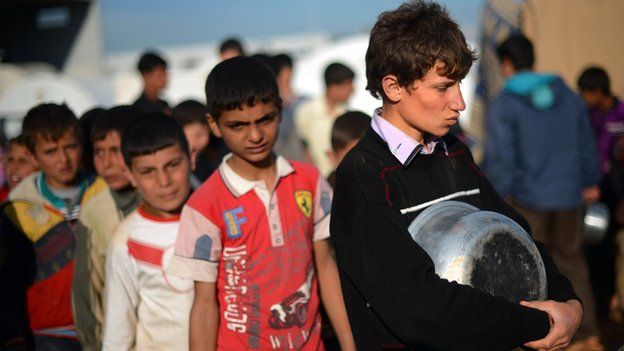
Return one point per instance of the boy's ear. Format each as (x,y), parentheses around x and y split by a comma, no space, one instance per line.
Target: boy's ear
(131,178)
(193,159)
(214,126)
(391,87)
(333,158)
(128,174)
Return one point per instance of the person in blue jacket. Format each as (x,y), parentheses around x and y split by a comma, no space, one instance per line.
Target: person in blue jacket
(541,156)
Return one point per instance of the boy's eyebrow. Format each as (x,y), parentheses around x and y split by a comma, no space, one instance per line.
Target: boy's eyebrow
(271,114)
(143,168)
(177,159)
(235,122)
(445,82)
(51,148)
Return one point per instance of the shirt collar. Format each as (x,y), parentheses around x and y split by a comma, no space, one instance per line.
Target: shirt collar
(239,186)
(403,147)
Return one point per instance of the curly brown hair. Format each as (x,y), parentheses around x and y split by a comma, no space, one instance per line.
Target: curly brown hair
(410,40)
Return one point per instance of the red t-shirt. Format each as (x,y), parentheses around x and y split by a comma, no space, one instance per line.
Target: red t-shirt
(258,248)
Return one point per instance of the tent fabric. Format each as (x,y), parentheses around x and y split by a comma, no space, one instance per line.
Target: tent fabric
(499,19)
(570,35)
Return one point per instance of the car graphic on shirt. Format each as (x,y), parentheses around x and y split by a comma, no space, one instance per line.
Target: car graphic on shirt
(293,310)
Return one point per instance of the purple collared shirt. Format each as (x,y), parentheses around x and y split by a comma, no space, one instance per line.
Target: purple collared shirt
(403,147)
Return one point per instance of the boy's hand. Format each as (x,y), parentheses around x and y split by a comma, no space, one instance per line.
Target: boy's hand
(591,195)
(565,319)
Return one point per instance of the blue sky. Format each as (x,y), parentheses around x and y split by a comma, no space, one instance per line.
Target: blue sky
(137,24)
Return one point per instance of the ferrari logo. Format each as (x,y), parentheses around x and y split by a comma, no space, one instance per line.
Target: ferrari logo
(304,201)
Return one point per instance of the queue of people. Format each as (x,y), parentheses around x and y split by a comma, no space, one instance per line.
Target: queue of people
(153,227)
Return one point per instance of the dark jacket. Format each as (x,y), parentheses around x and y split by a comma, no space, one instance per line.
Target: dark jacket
(393,297)
(146,105)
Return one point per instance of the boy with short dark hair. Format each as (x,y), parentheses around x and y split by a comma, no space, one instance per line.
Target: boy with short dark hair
(254,235)
(17,266)
(288,143)
(347,131)
(605,110)
(146,308)
(314,119)
(191,115)
(19,162)
(153,69)
(99,217)
(86,121)
(415,60)
(231,47)
(106,132)
(45,207)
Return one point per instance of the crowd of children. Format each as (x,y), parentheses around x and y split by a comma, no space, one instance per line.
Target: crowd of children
(155,228)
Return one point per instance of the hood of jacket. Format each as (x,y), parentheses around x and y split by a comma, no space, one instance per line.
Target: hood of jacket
(536,88)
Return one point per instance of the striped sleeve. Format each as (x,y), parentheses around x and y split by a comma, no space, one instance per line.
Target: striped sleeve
(198,248)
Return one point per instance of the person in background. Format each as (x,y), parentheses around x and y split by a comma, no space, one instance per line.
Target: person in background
(541,156)
(605,110)
(314,118)
(347,131)
(146,308)
(191,115)
(19,162)
(86,121)
(18,268)
(15,252)
(288,143)
(153,69)
(45,208)
(98,218)
(616,182)
(231,47)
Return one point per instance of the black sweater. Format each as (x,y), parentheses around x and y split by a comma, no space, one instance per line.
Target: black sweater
(393,297)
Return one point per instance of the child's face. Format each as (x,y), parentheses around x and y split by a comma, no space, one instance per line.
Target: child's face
(19,164)
(341,92)
(250,133)
(283,82)
(162,179)
(432,105)
(109,163)
(59,160)
(197,135)
(229,53)
(336,156)
(157,78)
(592,97)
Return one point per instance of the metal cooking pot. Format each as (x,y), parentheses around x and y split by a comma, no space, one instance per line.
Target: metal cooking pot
(483,249)
(595,223)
